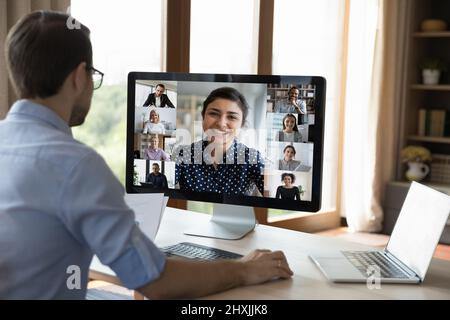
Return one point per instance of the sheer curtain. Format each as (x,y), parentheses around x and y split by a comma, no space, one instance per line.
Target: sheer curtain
(307,40)
(224,36)
(375,44)
(10,12)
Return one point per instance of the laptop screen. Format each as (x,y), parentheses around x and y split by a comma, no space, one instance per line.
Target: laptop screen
(419,227)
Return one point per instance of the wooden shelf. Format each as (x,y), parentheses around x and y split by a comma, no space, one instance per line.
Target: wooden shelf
(430,139)
(442,34)
(287,89)
(438,87)
(440,186)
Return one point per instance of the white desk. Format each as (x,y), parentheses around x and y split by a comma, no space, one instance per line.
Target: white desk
(308,282)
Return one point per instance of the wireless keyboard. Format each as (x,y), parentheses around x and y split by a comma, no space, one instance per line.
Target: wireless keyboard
(198,252)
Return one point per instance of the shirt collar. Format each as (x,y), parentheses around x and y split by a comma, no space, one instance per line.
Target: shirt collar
(228,156)
(26,109)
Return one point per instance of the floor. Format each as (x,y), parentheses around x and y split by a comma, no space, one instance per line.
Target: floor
(377,240)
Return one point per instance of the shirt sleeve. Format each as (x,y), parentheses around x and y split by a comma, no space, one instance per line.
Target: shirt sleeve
(303,106)
(257,173)
(278,195)
(95,213)
(169,103)
(147,101)
(297,194)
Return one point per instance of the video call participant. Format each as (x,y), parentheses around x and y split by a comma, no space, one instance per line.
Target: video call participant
(291,104)
(220,163)
(153,152)
(288,162)
(153,125)
(290,131)
(70,209)
(158,98)
(157,179)
(288,191)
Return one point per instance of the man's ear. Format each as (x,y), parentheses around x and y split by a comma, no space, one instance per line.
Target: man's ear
(79,77)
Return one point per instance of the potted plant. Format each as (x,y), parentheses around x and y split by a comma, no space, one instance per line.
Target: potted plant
(431,70)
(416,157)
(301,191)
(135,176)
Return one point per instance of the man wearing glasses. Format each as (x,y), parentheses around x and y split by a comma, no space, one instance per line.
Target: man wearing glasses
(60,203)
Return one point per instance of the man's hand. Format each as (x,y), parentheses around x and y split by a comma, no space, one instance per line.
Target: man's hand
(298,107)
(264,265)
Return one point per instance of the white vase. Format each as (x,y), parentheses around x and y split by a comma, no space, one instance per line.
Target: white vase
(417,171)
(431,76)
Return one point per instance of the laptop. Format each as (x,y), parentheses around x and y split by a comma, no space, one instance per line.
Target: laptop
(410,248)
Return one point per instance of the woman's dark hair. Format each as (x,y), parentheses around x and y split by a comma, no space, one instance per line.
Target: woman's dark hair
(295,121)
(227,93)
(289,147)
(41,51)
(288,175)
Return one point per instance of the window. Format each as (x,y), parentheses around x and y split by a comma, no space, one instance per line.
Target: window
(224,36)
(131,42)
(307,40)
(220,44)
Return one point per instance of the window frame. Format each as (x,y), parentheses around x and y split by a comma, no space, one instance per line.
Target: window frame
(178,41)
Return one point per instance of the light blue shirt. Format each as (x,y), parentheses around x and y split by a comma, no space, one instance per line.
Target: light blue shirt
(285,106)
(59,205)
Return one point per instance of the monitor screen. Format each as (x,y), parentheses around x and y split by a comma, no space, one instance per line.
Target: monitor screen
(235,139)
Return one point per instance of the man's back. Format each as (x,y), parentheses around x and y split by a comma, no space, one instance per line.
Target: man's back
(36,159)
(60,204)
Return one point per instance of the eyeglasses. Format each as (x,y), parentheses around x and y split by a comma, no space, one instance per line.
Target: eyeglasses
(97,77)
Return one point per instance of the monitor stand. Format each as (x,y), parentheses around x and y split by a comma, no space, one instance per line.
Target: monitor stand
(228,222)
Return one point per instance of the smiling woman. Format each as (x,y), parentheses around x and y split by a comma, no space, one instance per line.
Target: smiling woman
(220,163)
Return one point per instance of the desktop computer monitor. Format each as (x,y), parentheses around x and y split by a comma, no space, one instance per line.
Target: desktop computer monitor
(246,140)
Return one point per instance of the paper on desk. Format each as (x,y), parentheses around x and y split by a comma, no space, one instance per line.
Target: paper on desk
(148,209)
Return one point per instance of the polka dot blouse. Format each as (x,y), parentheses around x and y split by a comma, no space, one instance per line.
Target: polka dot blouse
(240,171)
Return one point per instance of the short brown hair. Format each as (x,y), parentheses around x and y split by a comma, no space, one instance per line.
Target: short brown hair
(41,51)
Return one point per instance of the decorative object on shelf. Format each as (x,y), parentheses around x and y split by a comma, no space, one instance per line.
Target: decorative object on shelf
(416,157)
(440,169)
(431,70)
(433,25)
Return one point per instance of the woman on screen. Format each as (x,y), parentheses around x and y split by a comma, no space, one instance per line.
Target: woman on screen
(288,162)
(288,191)
(153,125)
(290,131)
(219,163)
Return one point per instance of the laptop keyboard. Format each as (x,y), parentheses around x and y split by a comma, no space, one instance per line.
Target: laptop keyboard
(198,252)
(362,260)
